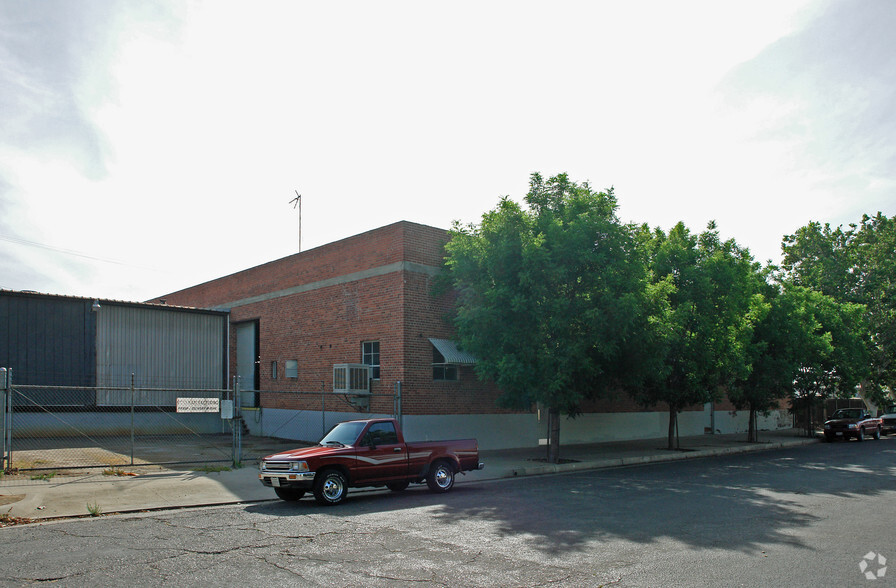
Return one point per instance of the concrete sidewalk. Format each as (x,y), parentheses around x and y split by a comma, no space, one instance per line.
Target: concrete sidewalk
(26,500)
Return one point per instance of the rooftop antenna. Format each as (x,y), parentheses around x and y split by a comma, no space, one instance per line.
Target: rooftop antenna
(297,203)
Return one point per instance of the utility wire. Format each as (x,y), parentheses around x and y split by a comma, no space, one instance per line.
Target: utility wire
(26,242)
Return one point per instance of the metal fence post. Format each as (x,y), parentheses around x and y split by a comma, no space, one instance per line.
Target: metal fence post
(3,393)
(239,428)
(396,405)
(132,418)
(236,423)
(8,420)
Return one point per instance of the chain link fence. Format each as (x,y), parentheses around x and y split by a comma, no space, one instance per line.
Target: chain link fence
(303,418)
(60,427)
(81,428)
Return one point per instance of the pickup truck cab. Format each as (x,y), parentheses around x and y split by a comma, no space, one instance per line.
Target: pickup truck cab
(851,422)
(366,453)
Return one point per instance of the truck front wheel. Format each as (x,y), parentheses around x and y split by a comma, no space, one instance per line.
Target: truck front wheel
(330,487)
(877,434)
(440,477)
(861,435)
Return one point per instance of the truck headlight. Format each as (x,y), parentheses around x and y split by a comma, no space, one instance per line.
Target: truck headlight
(852,425)
(298,466)
(827,425)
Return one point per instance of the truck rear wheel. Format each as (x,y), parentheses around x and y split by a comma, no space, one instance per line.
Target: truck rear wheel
(877,434)
(330,487)
(440,477)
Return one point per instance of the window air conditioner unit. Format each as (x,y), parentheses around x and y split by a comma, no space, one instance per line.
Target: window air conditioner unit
(351,378)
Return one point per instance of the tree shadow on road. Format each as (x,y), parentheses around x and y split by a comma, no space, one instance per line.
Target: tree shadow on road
(744,502)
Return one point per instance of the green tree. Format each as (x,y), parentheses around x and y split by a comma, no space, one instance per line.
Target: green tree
(819,257)
(790,352)
(702,292)
(833,358)
(874,244)
(856,266)
(549,297)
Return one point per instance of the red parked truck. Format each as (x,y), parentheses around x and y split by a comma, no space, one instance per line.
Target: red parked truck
(366,453)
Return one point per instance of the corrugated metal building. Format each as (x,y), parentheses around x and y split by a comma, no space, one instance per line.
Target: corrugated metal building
(51,340)
(48,340)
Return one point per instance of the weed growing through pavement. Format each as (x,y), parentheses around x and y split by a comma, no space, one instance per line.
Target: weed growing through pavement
(44,476)
(94,509)
(211,469)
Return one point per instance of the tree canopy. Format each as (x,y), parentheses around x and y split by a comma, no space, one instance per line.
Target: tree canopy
(561,302)
(703,296)
(854,266)
(549,297)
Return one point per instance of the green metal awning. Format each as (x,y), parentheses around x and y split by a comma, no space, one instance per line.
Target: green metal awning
(451,353)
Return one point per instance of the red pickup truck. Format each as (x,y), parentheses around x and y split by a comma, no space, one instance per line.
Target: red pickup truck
(366,453)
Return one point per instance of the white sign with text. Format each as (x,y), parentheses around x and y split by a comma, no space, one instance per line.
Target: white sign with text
(198,405)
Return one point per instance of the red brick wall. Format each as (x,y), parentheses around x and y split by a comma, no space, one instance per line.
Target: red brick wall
(402,241)
(327,325)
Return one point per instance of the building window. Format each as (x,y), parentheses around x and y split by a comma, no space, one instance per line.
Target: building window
(292,368)
(370,355)
(273,370)
(442,371)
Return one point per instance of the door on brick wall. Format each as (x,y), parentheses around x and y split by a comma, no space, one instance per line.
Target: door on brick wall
(247,360)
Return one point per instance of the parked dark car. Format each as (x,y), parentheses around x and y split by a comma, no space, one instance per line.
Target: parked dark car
(851,422)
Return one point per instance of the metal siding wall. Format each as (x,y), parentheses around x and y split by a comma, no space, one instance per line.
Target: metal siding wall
(47,341)
(162,348)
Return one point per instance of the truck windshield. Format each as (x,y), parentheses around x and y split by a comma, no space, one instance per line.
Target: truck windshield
(848,413)
(891,409)
(343,434)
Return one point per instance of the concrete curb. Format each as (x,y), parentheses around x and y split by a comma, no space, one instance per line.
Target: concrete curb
(543,469)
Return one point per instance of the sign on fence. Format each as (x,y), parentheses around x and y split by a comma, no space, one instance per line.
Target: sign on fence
(198,405)
(227,410)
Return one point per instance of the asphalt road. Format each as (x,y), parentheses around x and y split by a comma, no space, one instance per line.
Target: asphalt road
(799,517)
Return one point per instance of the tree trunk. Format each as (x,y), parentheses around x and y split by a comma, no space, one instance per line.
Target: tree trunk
(553,435)
(808,418)
(752,434)
(673,427)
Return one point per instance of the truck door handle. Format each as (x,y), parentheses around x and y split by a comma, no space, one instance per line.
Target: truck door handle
(396,449)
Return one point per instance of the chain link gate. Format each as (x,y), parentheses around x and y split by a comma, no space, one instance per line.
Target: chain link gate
(72,427)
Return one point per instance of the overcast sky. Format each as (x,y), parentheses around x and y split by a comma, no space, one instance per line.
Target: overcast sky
(150,146)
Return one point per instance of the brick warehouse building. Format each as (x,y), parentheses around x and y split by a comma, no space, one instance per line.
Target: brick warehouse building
(369,299)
